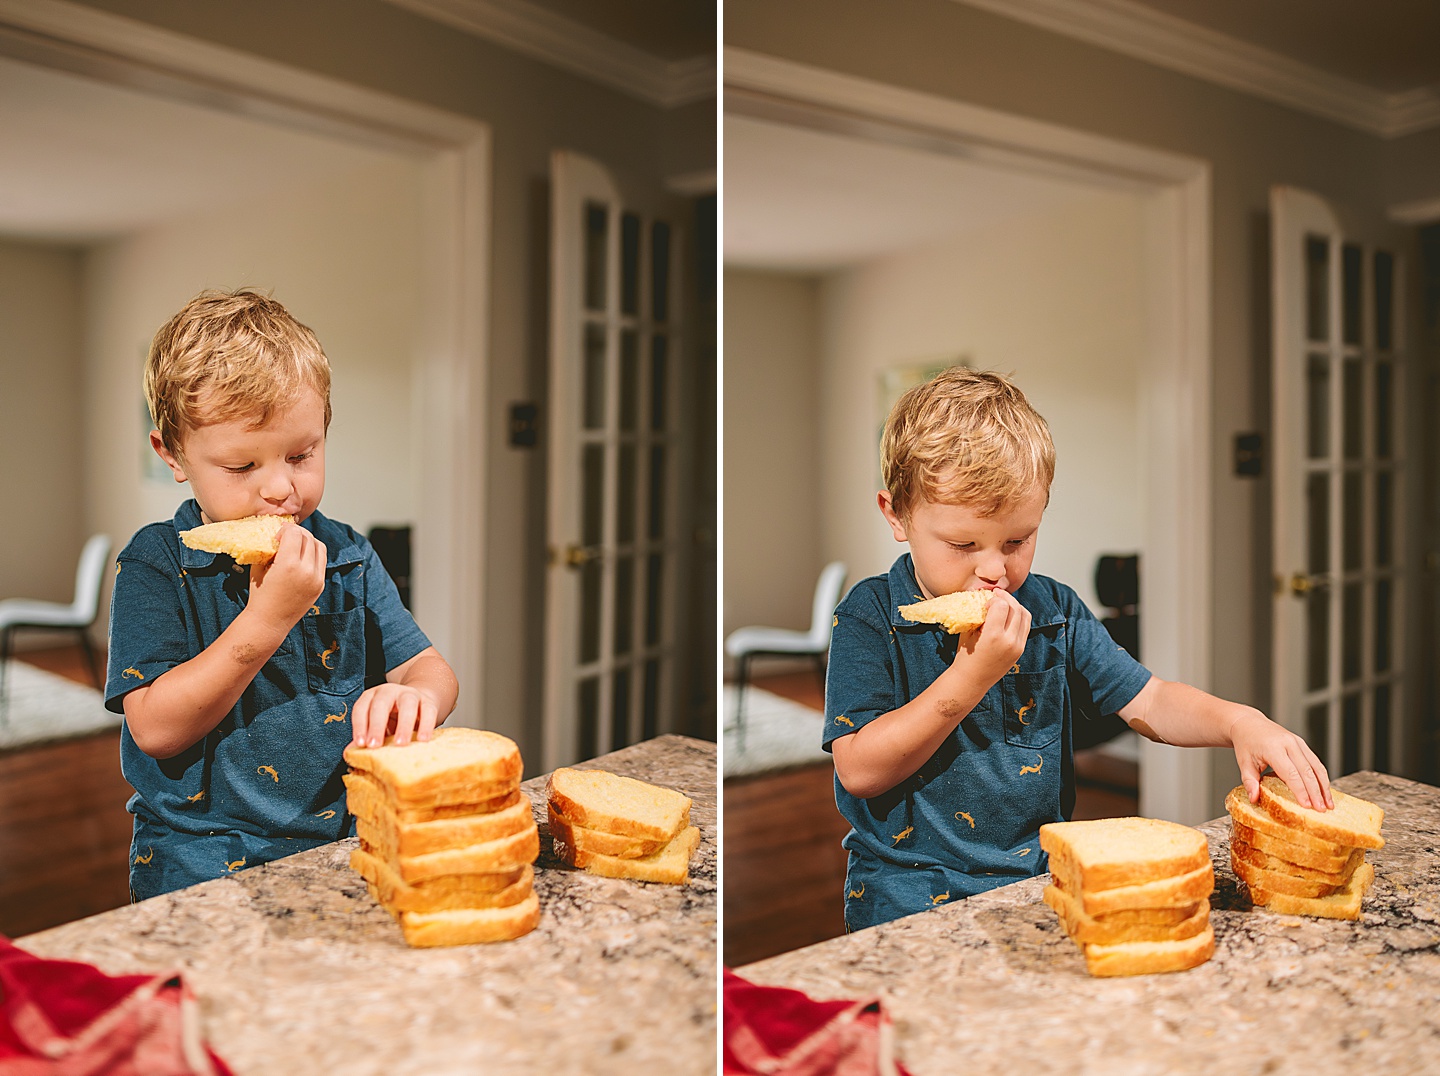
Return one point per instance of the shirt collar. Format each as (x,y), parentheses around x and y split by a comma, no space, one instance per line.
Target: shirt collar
(904,590)
(340,547)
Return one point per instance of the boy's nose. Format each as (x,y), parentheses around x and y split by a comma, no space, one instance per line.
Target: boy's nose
(275,486)
(990,569)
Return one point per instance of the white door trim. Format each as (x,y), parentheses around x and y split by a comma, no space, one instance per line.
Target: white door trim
(451,385)
(1176,406)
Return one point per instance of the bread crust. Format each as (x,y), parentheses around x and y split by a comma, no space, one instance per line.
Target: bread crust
(1299,854)
(1116,928)
(1107,853)
(456,766)
(362,789)
(382,830)
(1354,821)
(1149,958)
(1241,810)
(502,854)
(1276,882)
(469,926)
(494,890)
(595,799)
(958,613)
(670,865)
(598,842)
(248,540)
(1344,903)
(1262,860)
(1182,889)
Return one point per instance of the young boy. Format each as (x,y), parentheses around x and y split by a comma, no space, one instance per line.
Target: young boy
(951,752)
(241,687)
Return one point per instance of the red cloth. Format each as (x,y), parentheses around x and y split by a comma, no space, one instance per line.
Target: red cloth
(780,1032)
(62,1016)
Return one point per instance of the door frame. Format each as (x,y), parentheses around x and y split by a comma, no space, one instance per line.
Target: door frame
(1175,391)
(450,380)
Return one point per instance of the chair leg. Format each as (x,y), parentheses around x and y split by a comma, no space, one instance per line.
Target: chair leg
(90,659)
(740,694)
(4,669)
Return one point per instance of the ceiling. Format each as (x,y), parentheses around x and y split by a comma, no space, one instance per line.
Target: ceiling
(667,29)
(1389,45)
(86,161)
(804,201)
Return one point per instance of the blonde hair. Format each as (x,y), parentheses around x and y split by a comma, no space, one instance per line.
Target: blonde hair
(229,355)
(965,437)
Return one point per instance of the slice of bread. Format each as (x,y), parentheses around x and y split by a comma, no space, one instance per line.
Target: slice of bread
(957,613)
(365,795)
(1115,929)
(467,926)
(1182,889)
(598,842)
(1105,853)
(1353,821)
(251,540)
(1276,882)
(671,864)
(1242,850)
(396,838)
(596,799)
(1148,958)
(1299,854)
(457,765)
(502,854)
(1242,811)
(1344,903)
(498,890)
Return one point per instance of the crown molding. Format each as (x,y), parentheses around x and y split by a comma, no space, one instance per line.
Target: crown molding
(1153,36)
(566,44)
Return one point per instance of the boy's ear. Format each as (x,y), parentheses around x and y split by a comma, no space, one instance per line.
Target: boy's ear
(887,509)
(171,460)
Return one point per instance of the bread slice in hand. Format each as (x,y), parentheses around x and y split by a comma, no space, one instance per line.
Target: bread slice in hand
(596,799)
(1354,821)
(1125,926)
(251,540)
(493,890)
(599,842)
(455,766)
(1344,903)
(467,926)
(671,864)
(1105,853)
(957,613)
(1148,958)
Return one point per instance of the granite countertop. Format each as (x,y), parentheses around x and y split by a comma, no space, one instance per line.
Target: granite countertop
(993,984)
(298,970)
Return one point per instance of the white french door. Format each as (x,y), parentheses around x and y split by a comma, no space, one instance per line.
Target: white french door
(1340,373)
(614,444)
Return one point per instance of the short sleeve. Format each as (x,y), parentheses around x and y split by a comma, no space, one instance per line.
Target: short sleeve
(392,634)
(860,676)
(1113,676)
(148,635)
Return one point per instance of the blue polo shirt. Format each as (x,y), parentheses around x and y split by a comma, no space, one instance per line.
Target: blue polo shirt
(265,782)
(968,820)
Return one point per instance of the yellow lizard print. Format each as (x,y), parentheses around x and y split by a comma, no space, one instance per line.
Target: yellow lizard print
(314,610)
(146,859)
(344,712)
(858,894)
(327,654)
(835,623)
(1022,852)
(1020,713)
(903,834)
(965,815)
(940,898)
(270,770)
(331,814)
(843,720)
(196,798)
(1015,668)
(132,672)
(236,865)
(1033,769)
(183,574)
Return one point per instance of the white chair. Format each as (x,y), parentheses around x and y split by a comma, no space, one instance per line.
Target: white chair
(78,616)
(745,644)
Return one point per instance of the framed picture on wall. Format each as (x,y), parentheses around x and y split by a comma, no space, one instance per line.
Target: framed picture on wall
(895,380)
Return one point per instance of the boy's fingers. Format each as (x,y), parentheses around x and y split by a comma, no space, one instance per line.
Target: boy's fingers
(1302,782)
(407,710)
(358,720)
(428,713)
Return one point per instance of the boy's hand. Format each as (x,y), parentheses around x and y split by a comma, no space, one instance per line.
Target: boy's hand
(1260,742)
(284,589)
(995,648)
(388,708)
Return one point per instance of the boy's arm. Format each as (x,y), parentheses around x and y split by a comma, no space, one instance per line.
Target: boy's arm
(885,751)
(1170,712)
(420,693)
(178,709)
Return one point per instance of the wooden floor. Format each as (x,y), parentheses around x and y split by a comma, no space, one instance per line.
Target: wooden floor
(784,867)
(64,830)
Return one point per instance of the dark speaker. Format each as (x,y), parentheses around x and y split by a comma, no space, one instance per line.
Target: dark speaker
(392,546)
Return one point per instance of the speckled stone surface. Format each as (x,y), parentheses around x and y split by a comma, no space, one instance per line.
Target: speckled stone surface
(299,971)
(992,984)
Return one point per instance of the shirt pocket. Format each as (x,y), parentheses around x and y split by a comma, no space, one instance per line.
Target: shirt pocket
(335,651)
(1034,707)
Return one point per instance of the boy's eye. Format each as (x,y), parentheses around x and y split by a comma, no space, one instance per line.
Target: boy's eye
(240,470)
(301,458)
(963,547)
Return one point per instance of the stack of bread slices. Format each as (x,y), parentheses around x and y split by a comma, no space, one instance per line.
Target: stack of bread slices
(447,838)
(620,827)
(1301,861)
(1133,893)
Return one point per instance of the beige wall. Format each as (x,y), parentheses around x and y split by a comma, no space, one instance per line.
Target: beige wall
(773,545)
(1055,300)
(343,257)
(42,432)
